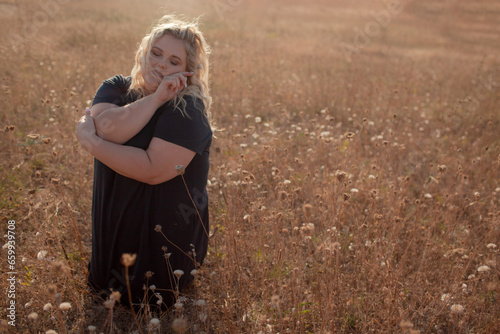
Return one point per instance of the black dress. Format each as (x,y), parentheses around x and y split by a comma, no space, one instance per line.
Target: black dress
(126,212)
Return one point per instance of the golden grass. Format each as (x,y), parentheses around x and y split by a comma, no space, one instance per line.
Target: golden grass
(347,197)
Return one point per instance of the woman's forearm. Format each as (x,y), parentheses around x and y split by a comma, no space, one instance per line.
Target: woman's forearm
(119,124)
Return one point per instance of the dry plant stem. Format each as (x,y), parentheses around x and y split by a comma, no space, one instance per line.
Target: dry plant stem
(130,300)
(195,207)
(194,260)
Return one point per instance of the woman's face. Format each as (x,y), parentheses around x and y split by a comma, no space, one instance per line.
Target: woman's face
(167,56)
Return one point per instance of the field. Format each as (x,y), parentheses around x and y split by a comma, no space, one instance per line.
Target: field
(355,174)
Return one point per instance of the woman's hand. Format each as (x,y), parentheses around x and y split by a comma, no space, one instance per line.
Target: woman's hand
(86,132)
(171,85)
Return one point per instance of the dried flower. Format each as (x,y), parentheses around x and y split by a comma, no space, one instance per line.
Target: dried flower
(200,303)
(158,228)
(178,273)
(457,308)
(491,246)
(180,169)
(275,299)
(406,325)
(41,255)
(92,329)
(47,307)
(340,175)
(116,296)
(155,323)
(33,316)
(109,304)
(308,210)
(128,259)
(483,269)
(51,331)
(64,306)
(446,297)
(33,136)
(52,289)
(194,272)
(179,325)
(349,135)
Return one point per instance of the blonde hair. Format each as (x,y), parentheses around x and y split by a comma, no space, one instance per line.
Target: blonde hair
(197,51)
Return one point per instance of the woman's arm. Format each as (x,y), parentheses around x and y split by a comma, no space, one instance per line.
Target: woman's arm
(153,166)
(119,124)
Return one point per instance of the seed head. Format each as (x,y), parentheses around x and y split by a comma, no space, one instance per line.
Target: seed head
(483,269)
(52,289)
(64,306)
(158,228)
(457,308)
(128,259)
(446,297)
(109,304)
(92,329)
(149,274)
(194,272)
(33,136)
(180,169)
(178,273)
(441,168)
(349,135)
(41,255)
(179,325)
(491,246)
(116,296)
(308,210)
(340,175)
(47,307)
(33,316)
(155,323)
(406,325)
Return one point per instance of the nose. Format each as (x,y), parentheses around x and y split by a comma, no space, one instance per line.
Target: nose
(163,64)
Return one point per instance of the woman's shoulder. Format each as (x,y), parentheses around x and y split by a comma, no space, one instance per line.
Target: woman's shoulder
(119,81)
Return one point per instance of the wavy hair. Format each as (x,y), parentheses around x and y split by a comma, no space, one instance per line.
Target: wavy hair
(197,50)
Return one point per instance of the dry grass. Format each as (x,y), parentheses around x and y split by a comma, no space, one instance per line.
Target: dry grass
(347,197)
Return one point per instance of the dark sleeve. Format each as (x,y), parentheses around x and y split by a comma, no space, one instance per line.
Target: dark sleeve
(113,90)
(190,130)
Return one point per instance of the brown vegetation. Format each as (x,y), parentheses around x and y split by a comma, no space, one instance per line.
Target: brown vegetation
(351,191)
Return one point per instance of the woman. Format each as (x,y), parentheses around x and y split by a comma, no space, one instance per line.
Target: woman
(150,136)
